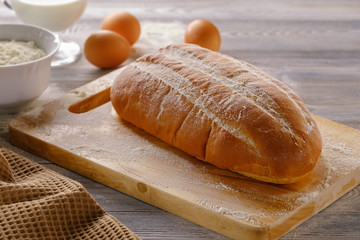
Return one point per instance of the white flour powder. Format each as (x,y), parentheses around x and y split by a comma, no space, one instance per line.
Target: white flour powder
(16,52)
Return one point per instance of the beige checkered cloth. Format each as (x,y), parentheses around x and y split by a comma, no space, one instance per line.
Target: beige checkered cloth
(37,203)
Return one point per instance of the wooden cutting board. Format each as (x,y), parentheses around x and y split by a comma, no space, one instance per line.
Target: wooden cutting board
(81,132)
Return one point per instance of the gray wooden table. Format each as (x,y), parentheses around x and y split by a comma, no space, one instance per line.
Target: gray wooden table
(313,46)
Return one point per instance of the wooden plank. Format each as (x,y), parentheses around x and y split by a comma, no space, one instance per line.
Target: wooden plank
(98,145)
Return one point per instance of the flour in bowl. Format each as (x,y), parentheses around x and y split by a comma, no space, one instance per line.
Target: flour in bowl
(16,52)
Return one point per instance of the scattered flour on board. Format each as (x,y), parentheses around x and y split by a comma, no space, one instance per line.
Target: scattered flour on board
(339,159)
(306,197)
(339,156)
(252,218)
(341,147)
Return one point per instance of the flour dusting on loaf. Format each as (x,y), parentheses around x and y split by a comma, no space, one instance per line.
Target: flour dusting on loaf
(221,110)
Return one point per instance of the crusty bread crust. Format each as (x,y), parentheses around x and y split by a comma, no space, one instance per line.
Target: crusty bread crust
(220,110)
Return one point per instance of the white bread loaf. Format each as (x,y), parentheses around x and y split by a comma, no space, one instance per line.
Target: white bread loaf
(220,110)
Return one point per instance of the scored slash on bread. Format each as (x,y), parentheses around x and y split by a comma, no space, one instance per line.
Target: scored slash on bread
(221,110)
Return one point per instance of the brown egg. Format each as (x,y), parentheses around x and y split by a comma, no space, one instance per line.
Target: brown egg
(123,23)
(204,34)
(106,49)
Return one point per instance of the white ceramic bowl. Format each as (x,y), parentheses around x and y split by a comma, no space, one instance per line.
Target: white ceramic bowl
(22,83)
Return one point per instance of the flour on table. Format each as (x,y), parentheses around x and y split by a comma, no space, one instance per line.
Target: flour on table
(155,35)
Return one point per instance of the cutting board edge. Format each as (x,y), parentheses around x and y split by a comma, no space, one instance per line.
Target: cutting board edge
(228,226)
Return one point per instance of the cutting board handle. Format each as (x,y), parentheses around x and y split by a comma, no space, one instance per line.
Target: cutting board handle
(91,102)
